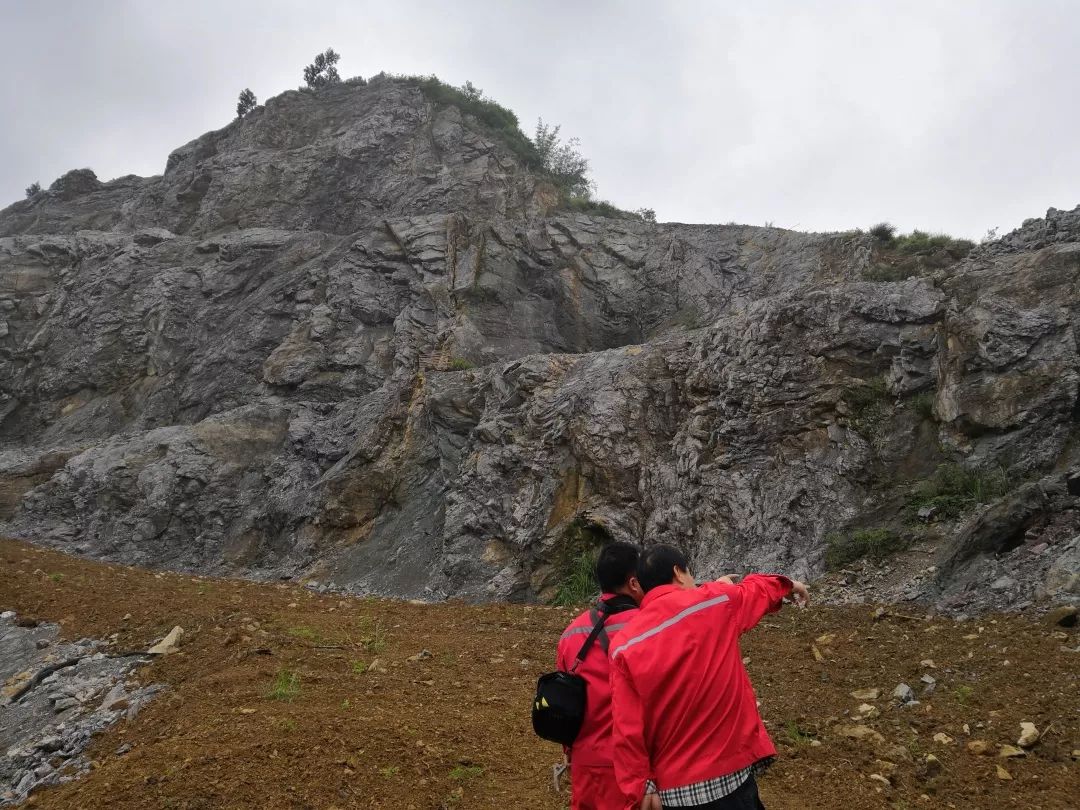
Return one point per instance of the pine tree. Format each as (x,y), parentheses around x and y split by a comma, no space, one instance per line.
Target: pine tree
(322,72)
(33,190)
(246,103)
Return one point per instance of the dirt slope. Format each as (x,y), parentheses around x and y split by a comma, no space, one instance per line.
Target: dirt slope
(368,727)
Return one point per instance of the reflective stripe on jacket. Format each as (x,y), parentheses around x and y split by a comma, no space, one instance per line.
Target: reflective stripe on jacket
(593,746)
(684,709)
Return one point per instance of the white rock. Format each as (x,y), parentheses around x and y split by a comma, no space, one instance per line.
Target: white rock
(169,643)
(1029,735)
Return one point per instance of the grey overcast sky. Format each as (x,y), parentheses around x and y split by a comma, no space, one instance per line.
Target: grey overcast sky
(827,115)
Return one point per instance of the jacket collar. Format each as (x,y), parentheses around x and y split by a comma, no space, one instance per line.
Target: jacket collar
(658,593)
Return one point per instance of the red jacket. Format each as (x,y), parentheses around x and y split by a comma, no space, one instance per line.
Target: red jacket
(682,701)
(593,745)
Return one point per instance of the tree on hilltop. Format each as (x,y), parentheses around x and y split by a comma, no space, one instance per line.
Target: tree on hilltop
(33,190)
(246,103)
(322,72)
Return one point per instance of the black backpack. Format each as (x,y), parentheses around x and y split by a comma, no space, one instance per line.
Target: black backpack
(559,706)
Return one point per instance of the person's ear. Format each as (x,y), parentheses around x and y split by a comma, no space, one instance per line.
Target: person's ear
(634,584)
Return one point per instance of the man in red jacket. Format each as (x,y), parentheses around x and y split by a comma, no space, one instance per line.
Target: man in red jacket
(687,728)
(592,776)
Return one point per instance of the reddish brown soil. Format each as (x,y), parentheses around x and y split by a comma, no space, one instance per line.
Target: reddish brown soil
(452,731)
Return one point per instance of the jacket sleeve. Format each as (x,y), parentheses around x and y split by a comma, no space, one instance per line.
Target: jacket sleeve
(632,768)
(759,595)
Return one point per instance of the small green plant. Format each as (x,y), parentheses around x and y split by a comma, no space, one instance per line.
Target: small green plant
(286,686)
(963,694)
(376,641)
(914,747)
(460,364)
(954,489)
(389,771)
(842,548)
(797,736)
(869,406)
(345,704)
(359,667)
(579,583)
(287,724)
(923,404)
(305,633)
(463,772)
(57,577)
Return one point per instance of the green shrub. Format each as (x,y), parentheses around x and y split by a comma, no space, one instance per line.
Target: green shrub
(953,489)
(460,364)
(919,242)
(562,161)
(587,205)
(579,583)
(842,548)
(884,232)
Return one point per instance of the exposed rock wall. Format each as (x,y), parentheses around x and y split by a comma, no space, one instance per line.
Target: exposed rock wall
(349,337)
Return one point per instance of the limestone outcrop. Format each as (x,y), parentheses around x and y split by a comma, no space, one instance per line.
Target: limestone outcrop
(351,338)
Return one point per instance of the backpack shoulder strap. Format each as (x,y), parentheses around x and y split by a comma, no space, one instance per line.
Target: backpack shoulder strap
(598,615)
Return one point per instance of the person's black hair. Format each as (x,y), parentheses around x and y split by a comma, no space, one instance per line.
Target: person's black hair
(615,565)
(657,566)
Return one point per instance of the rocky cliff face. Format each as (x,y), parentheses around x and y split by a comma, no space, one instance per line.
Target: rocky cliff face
(350,337)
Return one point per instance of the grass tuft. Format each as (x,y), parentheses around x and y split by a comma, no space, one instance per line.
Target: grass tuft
(797,736)
(579,585)
(954,489)
(286,686)
(463,772)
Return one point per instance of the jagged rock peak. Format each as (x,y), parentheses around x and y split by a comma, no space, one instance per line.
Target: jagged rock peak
(332,160)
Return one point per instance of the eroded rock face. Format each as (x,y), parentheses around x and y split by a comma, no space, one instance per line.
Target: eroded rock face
(348,337)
